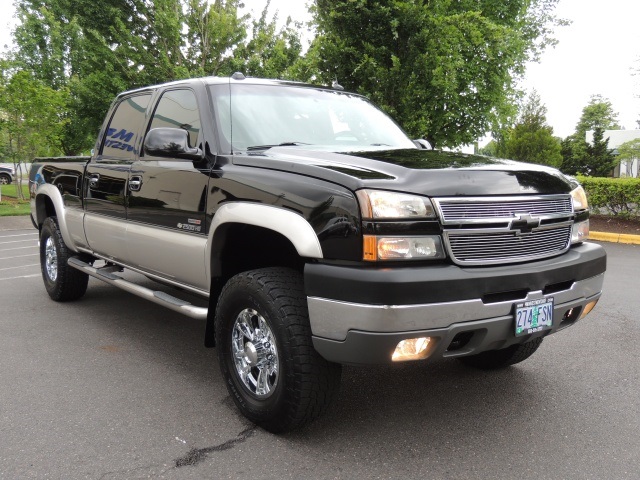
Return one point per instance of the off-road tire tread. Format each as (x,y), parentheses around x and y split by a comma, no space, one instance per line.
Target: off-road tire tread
(496,359)
(314,383)
(70,284)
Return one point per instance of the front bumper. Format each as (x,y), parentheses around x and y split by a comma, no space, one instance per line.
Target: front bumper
(464,310)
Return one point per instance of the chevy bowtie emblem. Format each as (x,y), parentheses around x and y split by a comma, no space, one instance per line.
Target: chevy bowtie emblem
(524,223)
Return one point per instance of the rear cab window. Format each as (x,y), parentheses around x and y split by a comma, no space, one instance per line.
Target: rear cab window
(121,137)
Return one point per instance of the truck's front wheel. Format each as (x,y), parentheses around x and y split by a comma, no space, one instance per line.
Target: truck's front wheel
(267,359)
(61,281)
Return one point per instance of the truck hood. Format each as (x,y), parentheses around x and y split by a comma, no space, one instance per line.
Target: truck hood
(426,172)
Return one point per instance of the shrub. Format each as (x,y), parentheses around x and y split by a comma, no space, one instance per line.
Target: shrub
(613,196)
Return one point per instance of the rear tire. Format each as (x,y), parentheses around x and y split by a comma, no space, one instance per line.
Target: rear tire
(265,351)
(495,359)
(63,283)
(5,179)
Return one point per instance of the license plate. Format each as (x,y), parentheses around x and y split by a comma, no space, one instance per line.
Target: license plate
(534,316)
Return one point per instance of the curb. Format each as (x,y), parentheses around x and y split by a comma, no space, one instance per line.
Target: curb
(615,238)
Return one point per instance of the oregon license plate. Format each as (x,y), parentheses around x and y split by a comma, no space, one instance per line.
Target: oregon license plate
(534,316)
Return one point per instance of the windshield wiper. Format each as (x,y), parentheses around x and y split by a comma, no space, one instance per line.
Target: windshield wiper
(283,144)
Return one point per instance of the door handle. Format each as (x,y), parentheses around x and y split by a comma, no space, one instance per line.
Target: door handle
(135,183)
(94,178)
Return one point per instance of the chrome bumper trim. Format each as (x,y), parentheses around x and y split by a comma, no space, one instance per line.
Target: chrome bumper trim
(333,319)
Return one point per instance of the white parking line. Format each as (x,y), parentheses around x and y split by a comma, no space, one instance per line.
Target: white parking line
(18,248)
(14,241)
(20,266)
(20,256)
(24,276)
(20,235)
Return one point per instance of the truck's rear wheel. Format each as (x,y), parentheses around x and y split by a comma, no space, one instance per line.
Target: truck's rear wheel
(494,359)
(267,359)
(62,282)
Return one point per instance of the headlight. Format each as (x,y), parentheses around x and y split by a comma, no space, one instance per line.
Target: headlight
(380,204)
(402,248)
(579,198)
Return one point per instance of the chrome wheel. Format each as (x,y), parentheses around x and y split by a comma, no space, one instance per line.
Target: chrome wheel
(51,259)
(255,355)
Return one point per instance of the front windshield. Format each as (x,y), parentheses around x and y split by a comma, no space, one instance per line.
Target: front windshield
(262,116)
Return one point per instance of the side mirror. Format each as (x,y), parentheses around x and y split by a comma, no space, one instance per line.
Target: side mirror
(422,144)
(172,143)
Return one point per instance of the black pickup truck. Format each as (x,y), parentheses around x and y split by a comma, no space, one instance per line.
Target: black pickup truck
(318,235)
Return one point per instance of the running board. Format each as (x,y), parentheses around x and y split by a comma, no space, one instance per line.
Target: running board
(173,303)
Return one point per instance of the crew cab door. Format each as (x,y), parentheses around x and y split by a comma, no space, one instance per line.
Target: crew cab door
(106,176)
(167,199)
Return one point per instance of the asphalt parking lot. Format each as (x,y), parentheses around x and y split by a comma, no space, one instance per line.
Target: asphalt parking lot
(114,387)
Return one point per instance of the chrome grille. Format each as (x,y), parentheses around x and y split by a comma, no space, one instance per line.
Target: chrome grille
(461,210)
(486,231)
(504,247)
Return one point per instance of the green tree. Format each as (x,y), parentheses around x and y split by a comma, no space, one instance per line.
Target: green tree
(271,52)
(629,153)
(94,50)
(598,113)
(531,139)
(446,70)
(574,150)
(30,122)
(80,46)
(214,34)
(600,161)
(580,157)
(490,149)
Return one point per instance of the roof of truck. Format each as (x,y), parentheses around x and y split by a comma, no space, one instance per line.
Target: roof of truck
(235,78)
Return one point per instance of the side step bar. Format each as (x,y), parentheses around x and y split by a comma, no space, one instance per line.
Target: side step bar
(173,303)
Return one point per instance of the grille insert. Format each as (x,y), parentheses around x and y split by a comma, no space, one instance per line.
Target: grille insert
(506,246)
(497,230)
(468,210)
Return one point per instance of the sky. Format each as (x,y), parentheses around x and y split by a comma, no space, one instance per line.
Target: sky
(596,54)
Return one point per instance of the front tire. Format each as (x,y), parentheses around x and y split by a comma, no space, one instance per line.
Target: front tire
(495,359)
(62,282)
(265,351)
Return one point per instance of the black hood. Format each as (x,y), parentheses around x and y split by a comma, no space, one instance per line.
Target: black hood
(426,172)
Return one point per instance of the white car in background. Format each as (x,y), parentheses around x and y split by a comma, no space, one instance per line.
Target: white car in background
(6,174)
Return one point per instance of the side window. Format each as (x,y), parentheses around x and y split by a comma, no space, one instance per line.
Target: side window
(178,109)
(122,133)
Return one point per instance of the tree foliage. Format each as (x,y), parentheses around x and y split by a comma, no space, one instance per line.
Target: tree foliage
(595,158)
(531,139)
(94,50)
(270,53)
(444,69)
(629,152)
(30,123)
(598,113)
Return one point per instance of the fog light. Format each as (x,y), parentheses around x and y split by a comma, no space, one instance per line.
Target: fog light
(588,308)
(411,349)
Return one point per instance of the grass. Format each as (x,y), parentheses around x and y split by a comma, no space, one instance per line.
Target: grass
(10,205)
(12,190)
(11,208)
